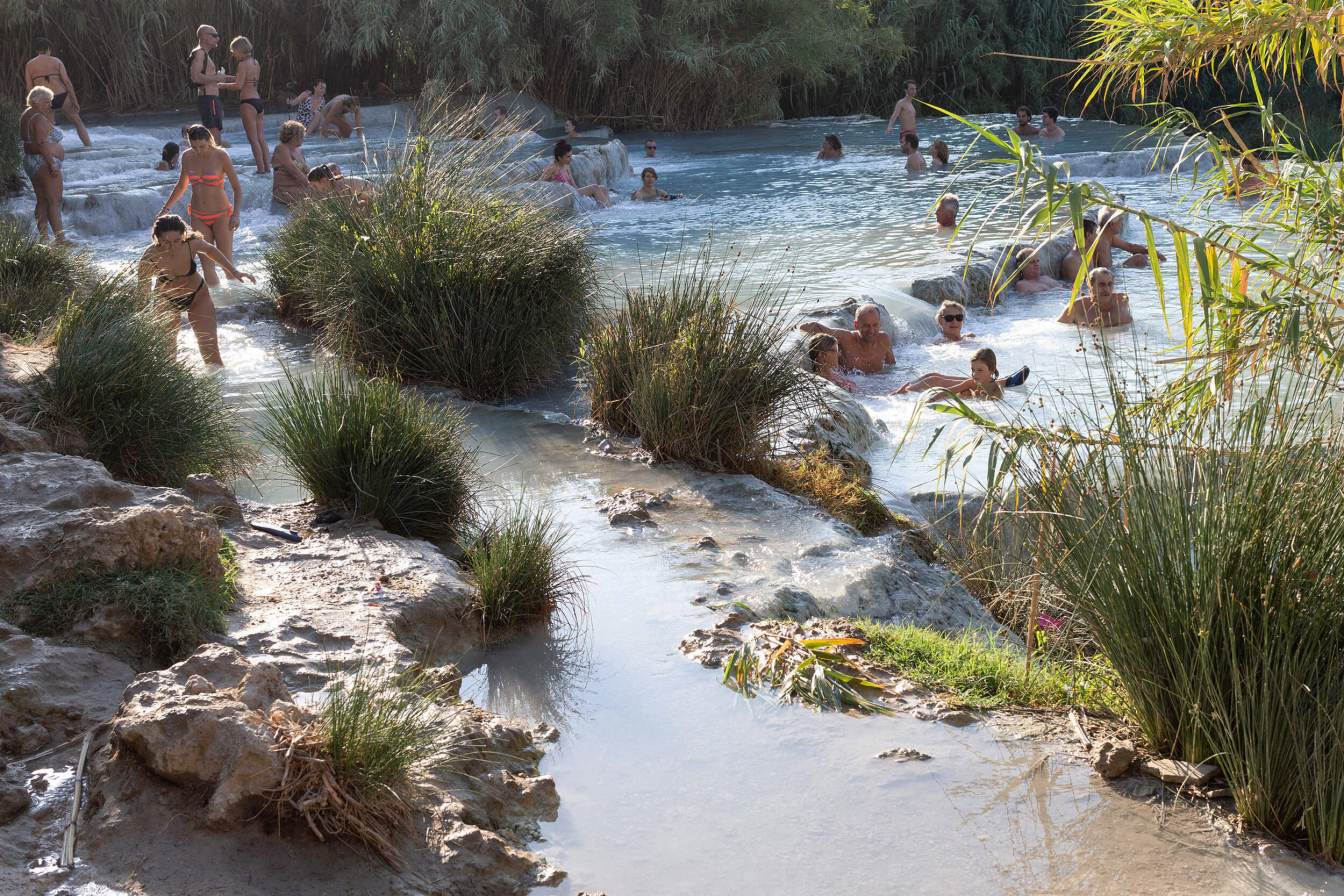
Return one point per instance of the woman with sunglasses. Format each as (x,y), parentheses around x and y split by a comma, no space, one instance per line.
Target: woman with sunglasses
(950,317)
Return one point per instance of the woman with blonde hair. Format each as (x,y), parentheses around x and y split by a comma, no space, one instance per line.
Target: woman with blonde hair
(245,81)
(169,265)
(43,159)
(288,165)
(205,167)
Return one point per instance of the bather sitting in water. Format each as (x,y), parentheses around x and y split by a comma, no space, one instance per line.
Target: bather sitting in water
(866,348)
(949,206)
(1029,278)
(941,155)
(168,159)
(559,172)
(950,316)
(289,169)
(982,383)
(1072,263)
(327,180)
(1024,127)
(648,191)
(831,150)
(823,353)
(1102,306)
(914,159)
(1050,129)
(1110,223)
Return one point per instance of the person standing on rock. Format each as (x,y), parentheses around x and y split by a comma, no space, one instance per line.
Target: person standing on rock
(866,348)
(559,172)
(45,70)
(206,78)
(904,112)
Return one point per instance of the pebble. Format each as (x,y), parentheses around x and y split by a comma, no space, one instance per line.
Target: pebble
(904,754)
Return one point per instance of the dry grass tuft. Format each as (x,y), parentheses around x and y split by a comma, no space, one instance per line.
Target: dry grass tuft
(832,487)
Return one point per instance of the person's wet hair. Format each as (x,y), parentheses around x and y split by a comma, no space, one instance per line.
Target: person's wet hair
(833,141)
(986,356)
(320,172)
(291,129)
(911,139)
(1052,112)
(166,224)
(1097,273)
(562,149)
(1089,226)
(821,342)
(200,132)
(940,151)
(170,151)
(649,171)
(42,45)
(1023,110)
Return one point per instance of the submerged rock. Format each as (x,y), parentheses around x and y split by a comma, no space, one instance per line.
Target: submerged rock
(631,506)
(63,514)
(904,754)
(974,281)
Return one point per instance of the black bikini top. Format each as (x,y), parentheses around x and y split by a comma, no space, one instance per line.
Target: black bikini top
(169,278)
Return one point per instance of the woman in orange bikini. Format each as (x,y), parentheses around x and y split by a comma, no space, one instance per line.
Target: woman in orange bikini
(169,265)
(204,167)
(245,81)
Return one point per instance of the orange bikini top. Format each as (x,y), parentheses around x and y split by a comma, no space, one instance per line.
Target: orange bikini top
(210,180)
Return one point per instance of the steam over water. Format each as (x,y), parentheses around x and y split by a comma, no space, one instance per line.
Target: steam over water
(669,783)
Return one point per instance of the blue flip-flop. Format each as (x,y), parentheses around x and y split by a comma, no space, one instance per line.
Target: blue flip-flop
(1018,378)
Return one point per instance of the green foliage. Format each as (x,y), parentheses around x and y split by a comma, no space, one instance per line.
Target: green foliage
(11,151)
(36,279)
(820,478)
(117,392)
(379,728)
(375,450)
(522,573)
(983,674)
(811,671)
(176,609)
(691,365)
(441,279)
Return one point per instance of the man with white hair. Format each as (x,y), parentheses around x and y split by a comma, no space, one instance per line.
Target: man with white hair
(866,348)
(949,206)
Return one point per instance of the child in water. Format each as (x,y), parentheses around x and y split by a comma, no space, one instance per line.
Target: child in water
(648,191)
(823,354)
(982,383)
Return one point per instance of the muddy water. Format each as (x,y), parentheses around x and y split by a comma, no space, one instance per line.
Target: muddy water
(672,784)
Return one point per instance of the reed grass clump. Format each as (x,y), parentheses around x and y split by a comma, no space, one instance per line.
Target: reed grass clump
(522,573)
(444,277)
(350,773)
(831,486)
(1204,556)
(36,279)
(692,365)
(375,450)
(175,608)
(117,392)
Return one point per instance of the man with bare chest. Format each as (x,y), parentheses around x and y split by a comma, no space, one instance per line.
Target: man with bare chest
(904,112)
(866,348)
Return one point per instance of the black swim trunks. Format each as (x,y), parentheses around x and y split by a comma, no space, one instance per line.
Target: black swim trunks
(58,100)
(212,112)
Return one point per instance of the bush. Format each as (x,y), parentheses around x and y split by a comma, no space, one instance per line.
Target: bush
(695,371)
(117,392)
(176,609)
(36,279)
(1204,555)
(983,674)
(833,488)
(375,450)
(441,278)
(522,574)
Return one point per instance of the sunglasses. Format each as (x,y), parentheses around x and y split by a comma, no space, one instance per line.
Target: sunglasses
(650,145)
(954,317)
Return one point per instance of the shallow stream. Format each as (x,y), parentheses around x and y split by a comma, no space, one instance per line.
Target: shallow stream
(670,783)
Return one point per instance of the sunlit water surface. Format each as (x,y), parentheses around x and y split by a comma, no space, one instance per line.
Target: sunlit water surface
(670,783)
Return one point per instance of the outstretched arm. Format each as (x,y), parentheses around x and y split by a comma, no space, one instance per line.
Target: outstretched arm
(813,326)
(298,99)
(210,251)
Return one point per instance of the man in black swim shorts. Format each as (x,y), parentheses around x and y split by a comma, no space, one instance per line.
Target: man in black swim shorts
(206,78)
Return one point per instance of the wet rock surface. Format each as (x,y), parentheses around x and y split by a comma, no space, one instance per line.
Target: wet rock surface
(904,754)
(63,513)
(630,507)
(976,281)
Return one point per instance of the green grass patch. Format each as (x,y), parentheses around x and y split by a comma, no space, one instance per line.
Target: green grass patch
(36,279)
(376,450)
(522,573)
(443,277)
(691,365)
(117,392)
(985,675)
(175,608)
(828,484)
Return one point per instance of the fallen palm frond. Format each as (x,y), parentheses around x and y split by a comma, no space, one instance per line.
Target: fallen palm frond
(813,671)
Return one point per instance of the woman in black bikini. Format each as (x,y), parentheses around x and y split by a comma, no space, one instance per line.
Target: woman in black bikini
(169,265)
(245,81)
